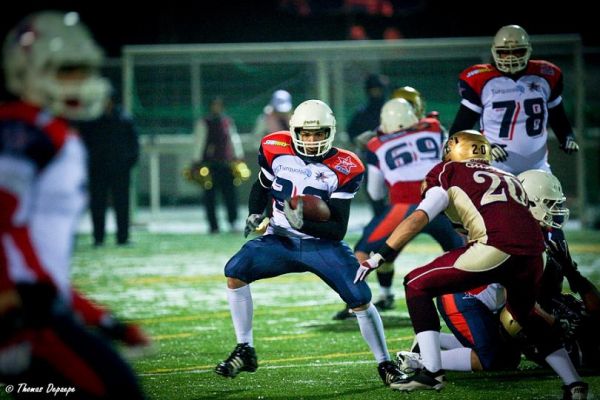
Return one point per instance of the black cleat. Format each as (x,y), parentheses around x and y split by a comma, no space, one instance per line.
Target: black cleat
(242,358)
(421,380)
(389,372)
(385,303)
(575,391)
(344,314)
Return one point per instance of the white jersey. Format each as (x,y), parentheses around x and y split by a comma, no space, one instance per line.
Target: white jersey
(337,176)
(403,159)
(514,112)
(43,172)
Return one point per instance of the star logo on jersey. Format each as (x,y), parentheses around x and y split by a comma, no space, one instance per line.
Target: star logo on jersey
(534,87)
(344,165)
(320,177)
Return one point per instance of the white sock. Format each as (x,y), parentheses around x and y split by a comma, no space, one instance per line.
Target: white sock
(429,345)
(385,291)
(371,328)
(562,365)
(448,341)
(242,309)
(457,359)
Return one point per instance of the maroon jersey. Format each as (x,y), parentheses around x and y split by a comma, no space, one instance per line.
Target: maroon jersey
(490,204)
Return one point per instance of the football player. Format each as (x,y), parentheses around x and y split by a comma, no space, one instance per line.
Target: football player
(490,204)
(473,316)
(51,65)
(514,100)
(301,161)
(398,159)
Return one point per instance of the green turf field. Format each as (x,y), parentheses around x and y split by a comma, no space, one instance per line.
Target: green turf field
(173,285)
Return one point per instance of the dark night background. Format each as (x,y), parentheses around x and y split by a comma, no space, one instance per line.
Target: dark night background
(117,24)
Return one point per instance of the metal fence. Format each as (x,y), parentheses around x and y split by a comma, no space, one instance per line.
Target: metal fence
(167,87)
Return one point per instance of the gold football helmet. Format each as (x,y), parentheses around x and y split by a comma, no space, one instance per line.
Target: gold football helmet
(509,323)
(467,145)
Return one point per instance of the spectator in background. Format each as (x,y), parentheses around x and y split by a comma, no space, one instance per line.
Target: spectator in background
(113,149)
(276,115)
(218,146)
(366,118)
(42,194)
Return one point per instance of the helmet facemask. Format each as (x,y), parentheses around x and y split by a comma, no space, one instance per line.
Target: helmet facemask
(51,60)
(546,198)
(81,96)
(311,148)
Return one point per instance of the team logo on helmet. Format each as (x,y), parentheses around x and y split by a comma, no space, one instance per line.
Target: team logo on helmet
(467,145)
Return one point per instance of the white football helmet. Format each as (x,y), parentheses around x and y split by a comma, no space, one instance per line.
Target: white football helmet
(413,96)
(312,115)
(545,192)
(511,49)
(397,114)
(46,44)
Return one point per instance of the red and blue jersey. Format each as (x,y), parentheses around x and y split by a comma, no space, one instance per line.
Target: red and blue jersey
(336,175)
(43,181)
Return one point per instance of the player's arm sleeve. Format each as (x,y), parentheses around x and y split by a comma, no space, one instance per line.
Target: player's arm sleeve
(16,182)
(375,180)
(465,118)
(375,183)
(265,166)
(337,225)
(259,195)
(435,201)
(559,122)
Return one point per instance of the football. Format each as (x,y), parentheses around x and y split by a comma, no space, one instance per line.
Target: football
(314,208)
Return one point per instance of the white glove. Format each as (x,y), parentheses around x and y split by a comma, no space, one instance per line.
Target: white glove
(370,264)
(252,222)
(570,145)
(294,215)
(498,153)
